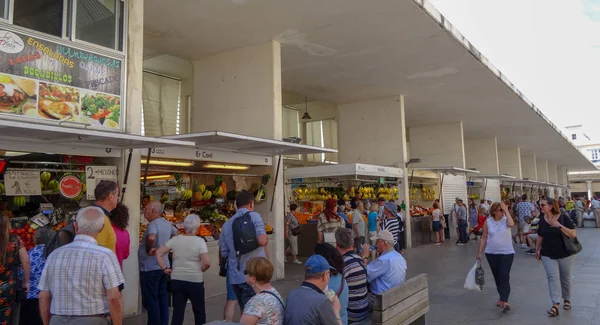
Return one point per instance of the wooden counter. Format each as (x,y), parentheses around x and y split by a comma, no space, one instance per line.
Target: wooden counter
(421,231)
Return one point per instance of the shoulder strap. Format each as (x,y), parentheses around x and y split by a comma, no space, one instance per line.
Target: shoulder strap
(274,295)
(341,287)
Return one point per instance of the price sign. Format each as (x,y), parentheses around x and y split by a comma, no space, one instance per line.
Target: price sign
(96,174)
(22,183)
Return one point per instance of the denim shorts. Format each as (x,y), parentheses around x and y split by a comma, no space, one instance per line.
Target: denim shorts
(436,226)
(230,293)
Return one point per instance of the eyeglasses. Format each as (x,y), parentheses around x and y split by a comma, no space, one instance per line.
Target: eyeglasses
(543,204)
(245,272)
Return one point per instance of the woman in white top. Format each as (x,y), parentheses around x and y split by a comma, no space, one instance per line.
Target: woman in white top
(497,242)
(436,225)
(190,260)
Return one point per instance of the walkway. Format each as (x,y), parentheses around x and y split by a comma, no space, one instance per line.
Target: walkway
(447,267)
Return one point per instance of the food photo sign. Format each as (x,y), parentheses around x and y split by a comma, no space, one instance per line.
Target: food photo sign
(42,79)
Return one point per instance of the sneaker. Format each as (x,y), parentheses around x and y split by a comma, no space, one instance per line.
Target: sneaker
(285,260)
(523,246)
(437,244)
(530,252)
(297,262)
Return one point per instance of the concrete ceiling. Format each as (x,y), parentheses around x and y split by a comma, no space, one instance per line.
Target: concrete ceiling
(350,50)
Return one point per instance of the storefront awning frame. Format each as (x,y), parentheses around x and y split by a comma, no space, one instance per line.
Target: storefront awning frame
(343,171)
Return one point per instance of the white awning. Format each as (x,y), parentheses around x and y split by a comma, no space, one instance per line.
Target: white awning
(343,170)
(247,144)
(448,170)
(23,136)
(494,176)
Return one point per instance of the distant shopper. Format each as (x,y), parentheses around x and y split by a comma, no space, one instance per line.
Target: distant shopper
(550,249)
(372,219)
(436,226)
(316,306)
(481,218)
(595,205)
(266,307)
(292,230)
(342,213)
(532,237)
(119,217)
(389,269)
(579,208)
(190,261)
(570,204)
(453,220)
(472,214)
(329,222)
(153,280)
(524,209)
(483,204)
(355,273)
(358,225)
(390,222)
(249,231)
(400,242)
(380,202)
(337,282)
(107,197)
(30,308)
(499,251)
(460,213)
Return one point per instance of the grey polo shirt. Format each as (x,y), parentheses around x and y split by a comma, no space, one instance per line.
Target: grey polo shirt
(316,308)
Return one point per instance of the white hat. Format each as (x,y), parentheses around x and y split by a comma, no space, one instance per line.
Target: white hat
(383,235)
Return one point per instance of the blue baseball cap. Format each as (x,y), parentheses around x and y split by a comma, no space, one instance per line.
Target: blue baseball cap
(392,207)
(317,264)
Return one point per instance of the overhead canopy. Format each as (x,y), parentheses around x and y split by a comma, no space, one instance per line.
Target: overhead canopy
(494,176)
(343,170)
(247,144)
(448,170)
(50,138)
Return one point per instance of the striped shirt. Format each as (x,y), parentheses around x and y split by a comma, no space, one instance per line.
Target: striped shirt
(355,273)
(393,226)
(77,276)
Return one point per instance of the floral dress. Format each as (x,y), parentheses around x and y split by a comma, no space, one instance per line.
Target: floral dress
(8,279)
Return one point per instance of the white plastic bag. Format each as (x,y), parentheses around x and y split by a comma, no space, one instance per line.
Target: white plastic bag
(470,283)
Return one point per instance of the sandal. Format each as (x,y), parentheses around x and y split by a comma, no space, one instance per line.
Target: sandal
(553,312)
(567,305)
(499,303)
(505,307)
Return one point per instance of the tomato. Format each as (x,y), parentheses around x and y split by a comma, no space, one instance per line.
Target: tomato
(31,231)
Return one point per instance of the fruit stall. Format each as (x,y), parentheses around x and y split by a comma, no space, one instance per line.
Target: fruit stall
(205,180)
(310,187)
(490,187)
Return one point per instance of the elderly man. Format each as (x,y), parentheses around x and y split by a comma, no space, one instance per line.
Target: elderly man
(389,269)
(80,277)
(310,303)
(355,273)
(358,225)
(107,197)
(153,280)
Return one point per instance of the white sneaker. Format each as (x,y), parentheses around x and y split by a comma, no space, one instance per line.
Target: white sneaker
(297,262)
(285,260)
(523,246)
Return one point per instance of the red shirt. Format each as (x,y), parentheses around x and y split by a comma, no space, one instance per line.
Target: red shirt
(480,222)
(122,247)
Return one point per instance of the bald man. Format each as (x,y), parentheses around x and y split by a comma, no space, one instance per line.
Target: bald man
(153,280)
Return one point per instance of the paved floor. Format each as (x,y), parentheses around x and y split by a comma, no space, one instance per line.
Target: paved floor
(447,266)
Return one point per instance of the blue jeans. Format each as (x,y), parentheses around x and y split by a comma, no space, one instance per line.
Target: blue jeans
(154,296)
(182,291)
(559,277)
(462,231)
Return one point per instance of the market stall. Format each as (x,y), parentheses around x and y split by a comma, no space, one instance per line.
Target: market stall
(489,186)
(310,187)
(206,178)
(510,188)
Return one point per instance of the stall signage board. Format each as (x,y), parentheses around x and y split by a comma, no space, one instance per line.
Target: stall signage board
(22,183)
(211,155)
(95,174)
(48,80)
(70,186)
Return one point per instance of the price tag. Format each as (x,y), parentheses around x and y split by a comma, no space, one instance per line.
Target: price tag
(22,183)
(96,174)
(46,208)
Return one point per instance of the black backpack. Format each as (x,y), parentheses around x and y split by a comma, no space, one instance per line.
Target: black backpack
(244,234)
(61,238)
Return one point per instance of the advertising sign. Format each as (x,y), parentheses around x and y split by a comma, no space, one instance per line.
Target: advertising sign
(95,174)
(45,80)
(22,183)
(70,186)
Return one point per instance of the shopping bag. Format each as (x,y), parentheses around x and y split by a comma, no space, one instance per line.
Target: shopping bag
(470,283)
(479,276)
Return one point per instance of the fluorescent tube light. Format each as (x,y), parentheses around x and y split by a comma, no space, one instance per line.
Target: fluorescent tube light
(224,166)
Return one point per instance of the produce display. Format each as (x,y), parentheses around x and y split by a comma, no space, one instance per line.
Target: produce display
(474,196)
(426,194)
(366,193)
(419,211)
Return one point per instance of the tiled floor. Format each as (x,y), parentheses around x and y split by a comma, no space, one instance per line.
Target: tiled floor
(447,267)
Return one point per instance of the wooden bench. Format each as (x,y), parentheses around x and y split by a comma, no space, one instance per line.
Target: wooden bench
(405,304)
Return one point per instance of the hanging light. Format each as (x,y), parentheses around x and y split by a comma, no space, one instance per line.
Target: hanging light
(306,116)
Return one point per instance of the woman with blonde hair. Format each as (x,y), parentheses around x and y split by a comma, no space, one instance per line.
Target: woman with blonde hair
(190,261)
(266,307)
(496,240)
(436,225)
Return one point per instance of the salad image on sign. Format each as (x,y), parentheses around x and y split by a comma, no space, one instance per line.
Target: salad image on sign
(101,109)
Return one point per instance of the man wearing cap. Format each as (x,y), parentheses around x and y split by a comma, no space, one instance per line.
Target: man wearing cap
(390,221)
(312,304)
(389,269)
(380,202)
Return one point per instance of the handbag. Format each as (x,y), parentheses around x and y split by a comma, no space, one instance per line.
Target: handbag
(296,231)
(572,245)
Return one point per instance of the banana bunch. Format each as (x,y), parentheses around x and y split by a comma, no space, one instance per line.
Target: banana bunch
(1,188)
(207,195)
(218,191)
(186,194)
(19,201)
(352,191)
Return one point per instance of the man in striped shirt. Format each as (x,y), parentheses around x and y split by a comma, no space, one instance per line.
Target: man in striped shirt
(81,277)
(391,223)
(355,273)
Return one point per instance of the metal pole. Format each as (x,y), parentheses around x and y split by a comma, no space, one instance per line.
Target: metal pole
(147,166)
(126,175)
(275,183)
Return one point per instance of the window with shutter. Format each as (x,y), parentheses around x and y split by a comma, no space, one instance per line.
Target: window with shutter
(160,108)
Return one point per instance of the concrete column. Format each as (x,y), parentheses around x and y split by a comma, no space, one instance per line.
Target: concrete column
(589,189)
(509,161)
(385,145)
(439,145)
(552,173)
(482,154)
(135,48)
(240,92)
(562,175)
(542,170)
(529,166)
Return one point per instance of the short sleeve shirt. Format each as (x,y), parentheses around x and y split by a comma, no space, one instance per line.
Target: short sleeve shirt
(525,209)
(292,220)
(357,219)
(187,265)
(163,230)
(553,245)
(329,226)
(268,308)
